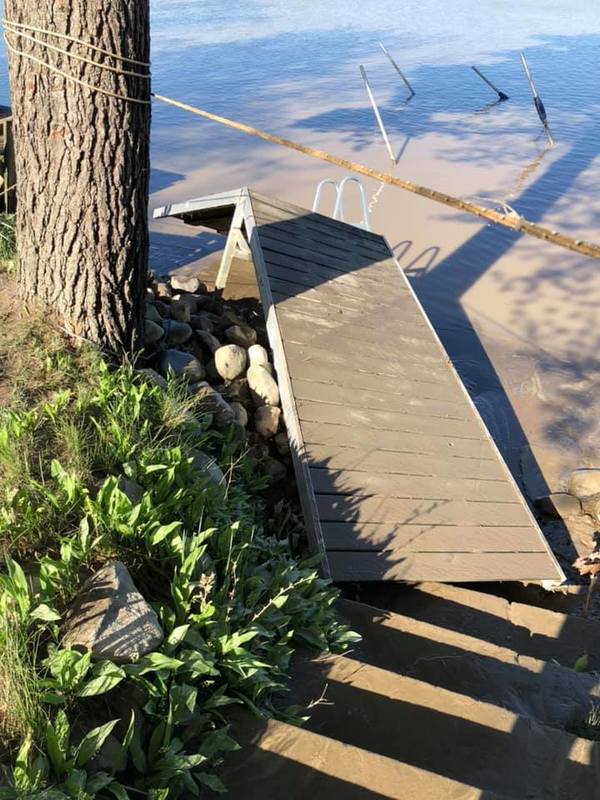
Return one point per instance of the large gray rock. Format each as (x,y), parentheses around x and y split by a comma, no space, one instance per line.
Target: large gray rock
(177,332)
(266,420)
(243,335)
(153,333)
(213,403)
(182,365)
(208,467)
(258,356)
(240,413)
(282,443)
(163,290)
(584,482)
(263,387)
(275,470)
(186,283)
(152,376)
(230,361)
(181,311)
(152,313)
(111,618)
(205,321)
(208,341)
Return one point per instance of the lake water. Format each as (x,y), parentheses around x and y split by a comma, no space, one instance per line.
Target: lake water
(519,318)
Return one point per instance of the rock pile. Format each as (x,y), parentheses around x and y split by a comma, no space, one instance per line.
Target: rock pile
(220,349)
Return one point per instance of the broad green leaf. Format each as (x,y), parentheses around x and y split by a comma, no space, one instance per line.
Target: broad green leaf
(130,731)
(92,742)
(45,613)
(163,531)
(21,772)
(154,662)
(176,636)
(183,702)
(98,781)
(118,790)
(197,664)
(134,746)
(57,742)
(105,676)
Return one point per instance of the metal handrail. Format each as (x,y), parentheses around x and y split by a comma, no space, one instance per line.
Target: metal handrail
(338,209)
(319,189)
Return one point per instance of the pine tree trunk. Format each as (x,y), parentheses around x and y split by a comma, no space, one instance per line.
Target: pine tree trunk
(82,163)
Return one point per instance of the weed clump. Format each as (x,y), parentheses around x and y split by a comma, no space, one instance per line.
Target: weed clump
(233,600)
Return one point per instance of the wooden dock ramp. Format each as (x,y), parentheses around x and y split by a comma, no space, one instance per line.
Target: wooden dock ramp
(398,476)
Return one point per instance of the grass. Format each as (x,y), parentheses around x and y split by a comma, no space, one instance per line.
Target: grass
(234,600)
(22,711)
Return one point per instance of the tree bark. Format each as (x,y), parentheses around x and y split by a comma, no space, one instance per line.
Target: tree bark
(82,164)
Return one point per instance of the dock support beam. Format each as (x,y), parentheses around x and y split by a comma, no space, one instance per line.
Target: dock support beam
(236,246)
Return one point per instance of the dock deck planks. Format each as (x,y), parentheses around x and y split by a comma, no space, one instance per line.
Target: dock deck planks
(398,476)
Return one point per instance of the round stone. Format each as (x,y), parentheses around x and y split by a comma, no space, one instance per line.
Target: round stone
(230,361)
(243,335)
(186,283)
(240,413)
(177,332)
(182,365)
(153,333)
(152,313)
(258,356)
(263,387)
(266,420)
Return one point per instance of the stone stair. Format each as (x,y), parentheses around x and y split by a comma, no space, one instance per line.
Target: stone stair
(452,694)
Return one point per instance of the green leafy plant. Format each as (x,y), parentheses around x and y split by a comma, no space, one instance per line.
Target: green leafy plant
(233,599)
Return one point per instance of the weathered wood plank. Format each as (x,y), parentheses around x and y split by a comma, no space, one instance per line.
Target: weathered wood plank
(310,307)
(321,225)
(441,567)
(370,421)
(320,372)
(345,508)
(281,210)
(398,537)
(408,400)
(341,326)
(305,232)
(328,481)
(299,355)
(400,345)
(274,239)
(373,460)
(367,279)
(366,440)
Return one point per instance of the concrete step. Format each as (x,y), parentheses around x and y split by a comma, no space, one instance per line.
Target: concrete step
(281,762)
(544,691)
(525,629)
(445,733)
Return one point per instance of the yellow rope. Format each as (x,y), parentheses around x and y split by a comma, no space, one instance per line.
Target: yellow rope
(117,70)
(68,77)
(516,223)
(74,39)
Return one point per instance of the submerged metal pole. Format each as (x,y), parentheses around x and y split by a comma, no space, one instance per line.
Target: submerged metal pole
(501,95)
(377,114)
(397,68)
(537,100)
